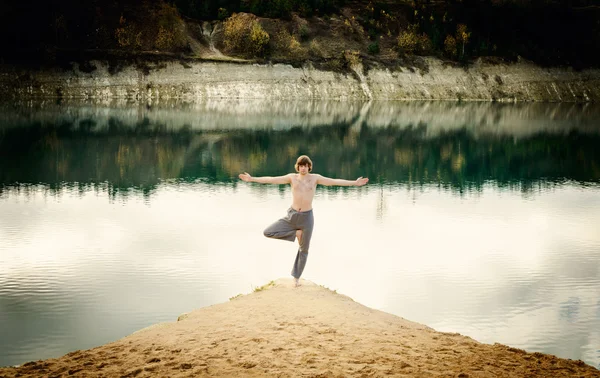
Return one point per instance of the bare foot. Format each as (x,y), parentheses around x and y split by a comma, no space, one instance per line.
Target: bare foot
(299,236)
(297,282)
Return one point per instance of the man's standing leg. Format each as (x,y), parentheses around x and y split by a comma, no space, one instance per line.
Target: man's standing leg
(306,224)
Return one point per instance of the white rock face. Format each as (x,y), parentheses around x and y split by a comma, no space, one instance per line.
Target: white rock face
(198,81)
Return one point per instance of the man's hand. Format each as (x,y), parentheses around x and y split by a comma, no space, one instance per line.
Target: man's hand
(245,177)
(361,181)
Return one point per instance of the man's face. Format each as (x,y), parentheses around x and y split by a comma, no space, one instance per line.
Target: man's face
(303,169)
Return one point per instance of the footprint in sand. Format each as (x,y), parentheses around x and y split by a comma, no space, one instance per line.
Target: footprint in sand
(132,373)
(247,365)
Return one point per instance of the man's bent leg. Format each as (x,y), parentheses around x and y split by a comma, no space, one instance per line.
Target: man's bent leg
(282,229)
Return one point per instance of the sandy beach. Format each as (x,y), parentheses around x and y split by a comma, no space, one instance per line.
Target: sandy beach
(310,331)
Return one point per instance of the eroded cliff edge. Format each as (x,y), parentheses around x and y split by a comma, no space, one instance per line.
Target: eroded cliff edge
(431,79)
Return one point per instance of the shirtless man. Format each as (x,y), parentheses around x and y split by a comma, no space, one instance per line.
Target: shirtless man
(299,221)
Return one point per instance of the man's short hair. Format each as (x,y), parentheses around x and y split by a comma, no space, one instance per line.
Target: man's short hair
(303,160)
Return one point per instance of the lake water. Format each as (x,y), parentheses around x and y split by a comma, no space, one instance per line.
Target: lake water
(480,218)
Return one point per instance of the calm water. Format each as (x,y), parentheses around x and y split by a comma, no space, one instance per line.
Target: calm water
(481,219)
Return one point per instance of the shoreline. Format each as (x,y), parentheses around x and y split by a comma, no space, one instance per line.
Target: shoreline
(195,81)
(279,330)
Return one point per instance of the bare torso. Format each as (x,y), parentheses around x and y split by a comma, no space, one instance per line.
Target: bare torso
(303,191)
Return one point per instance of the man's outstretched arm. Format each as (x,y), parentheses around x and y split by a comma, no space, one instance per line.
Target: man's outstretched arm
(266,179)
(322,180)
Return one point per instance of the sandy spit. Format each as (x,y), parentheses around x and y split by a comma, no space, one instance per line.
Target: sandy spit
(309,331)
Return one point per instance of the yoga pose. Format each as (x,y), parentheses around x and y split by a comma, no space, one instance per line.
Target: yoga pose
(299,221)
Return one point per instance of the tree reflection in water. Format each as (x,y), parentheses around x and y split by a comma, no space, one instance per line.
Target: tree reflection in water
(454,146)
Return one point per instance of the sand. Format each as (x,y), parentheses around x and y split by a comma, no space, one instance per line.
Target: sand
(283,331)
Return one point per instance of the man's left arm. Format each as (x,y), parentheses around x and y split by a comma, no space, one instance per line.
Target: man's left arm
(322,180)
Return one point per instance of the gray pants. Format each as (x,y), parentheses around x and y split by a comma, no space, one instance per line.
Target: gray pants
(285,229)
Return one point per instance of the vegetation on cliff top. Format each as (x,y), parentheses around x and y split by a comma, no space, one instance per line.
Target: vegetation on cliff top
(328,32)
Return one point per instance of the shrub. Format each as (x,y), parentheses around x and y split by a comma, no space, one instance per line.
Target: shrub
(127,34)
(164,38)
(315,49)
(411,42)
(373,48)
(236,28)
(304,33)
(352,58)
(294,44)
(454,46)
(171,29)
(352,26)
(243,33)
(425,44)
(289,45)
(408,41)
(259,39)
(336,64)
(462,37)
(300,28)
(450,46)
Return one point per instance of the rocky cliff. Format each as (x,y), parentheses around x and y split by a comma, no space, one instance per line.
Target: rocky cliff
(195,81)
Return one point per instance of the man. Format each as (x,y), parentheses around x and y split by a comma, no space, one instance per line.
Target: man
(299,221)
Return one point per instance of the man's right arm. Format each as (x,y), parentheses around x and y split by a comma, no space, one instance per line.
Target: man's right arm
(266,179)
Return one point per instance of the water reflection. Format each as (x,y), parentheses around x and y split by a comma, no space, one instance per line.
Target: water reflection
(480,218)
(457,146)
